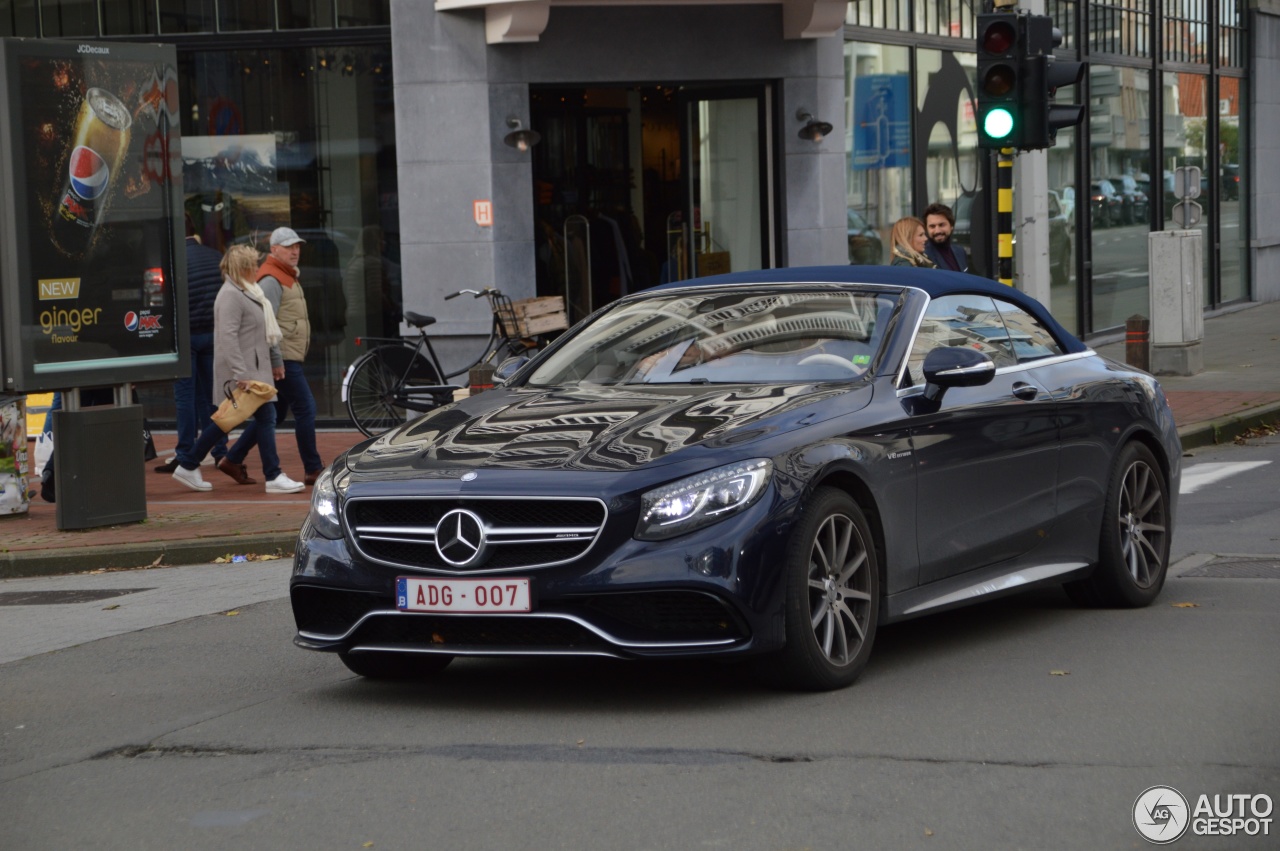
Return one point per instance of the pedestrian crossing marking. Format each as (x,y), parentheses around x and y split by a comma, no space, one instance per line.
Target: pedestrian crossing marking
(1200,475)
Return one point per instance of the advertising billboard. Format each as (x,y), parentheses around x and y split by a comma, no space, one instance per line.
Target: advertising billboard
(92,259)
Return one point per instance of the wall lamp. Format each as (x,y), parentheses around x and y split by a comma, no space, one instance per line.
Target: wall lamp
(521,138)
(813,129)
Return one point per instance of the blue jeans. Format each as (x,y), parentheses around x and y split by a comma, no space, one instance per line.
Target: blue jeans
(292,391)
(192,397)
(264,427)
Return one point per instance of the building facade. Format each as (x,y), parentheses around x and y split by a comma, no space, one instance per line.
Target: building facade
(676,139)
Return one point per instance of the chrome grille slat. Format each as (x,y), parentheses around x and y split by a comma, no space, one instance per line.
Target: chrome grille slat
(384,531)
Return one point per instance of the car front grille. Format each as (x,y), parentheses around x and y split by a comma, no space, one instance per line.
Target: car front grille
(518,533)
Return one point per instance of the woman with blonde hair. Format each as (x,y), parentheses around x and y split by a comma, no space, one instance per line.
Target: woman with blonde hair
(909,240)
(246,342)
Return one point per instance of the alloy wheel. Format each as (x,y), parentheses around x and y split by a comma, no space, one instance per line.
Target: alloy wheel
(1143,524)
(839,589)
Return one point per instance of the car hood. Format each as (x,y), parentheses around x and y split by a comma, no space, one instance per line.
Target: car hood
(611,429)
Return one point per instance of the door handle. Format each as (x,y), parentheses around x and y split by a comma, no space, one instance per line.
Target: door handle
(1024,391)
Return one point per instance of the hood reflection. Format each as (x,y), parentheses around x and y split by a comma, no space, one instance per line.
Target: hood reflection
(597,428)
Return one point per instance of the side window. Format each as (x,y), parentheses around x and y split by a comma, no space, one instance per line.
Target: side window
(1031,340)
(960,320)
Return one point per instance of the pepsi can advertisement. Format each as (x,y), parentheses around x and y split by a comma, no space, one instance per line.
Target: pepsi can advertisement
(94,290)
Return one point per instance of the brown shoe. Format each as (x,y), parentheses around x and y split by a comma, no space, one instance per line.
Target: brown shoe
(310,478)
(168,466)
(236,471)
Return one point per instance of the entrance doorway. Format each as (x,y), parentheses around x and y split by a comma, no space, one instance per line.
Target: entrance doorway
(640,185)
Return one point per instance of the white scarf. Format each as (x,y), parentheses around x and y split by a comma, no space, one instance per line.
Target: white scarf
(273,328)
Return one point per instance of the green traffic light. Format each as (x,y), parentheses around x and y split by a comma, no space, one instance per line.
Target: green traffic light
(998,123)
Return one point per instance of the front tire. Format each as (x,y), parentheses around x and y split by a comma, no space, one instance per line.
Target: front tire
(1133,553)
(832,599)
(374,665)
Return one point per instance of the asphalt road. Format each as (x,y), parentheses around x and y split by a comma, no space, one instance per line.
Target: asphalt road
(1021,723)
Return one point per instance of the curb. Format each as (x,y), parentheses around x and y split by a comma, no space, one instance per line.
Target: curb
(1227,429)
(79,560)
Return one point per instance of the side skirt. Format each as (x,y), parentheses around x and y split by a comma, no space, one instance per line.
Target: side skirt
(984,584)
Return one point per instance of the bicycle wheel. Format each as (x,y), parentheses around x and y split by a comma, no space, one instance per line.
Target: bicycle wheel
(372,399)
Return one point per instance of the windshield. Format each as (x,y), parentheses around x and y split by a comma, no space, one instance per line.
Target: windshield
(719,337)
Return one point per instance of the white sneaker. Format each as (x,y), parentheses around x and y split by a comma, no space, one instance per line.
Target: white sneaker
(281,484)
(191,478)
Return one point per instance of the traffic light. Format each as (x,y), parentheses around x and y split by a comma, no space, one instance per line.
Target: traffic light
(999,110)
(1041,75)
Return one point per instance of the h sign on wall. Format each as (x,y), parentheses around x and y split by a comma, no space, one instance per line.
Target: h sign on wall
(483,212)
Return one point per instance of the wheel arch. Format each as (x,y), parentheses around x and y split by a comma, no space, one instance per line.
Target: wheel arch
(856,487)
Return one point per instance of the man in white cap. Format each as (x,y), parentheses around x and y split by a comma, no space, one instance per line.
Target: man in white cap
(278,277)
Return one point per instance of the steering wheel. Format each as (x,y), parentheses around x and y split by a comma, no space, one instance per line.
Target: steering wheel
(834,360)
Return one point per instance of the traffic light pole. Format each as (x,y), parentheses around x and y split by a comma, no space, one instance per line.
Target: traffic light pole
(1004,216)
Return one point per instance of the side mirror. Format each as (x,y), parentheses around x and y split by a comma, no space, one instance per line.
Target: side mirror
(509,367)
(955,366)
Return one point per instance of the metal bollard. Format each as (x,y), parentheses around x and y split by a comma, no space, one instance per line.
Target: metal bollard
(1137,342)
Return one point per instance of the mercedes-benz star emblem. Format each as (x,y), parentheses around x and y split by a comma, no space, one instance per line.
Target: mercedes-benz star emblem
(460,537)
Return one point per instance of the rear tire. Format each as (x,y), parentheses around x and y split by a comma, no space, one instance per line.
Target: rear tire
(376,665)
(1133,553)
(832,598)
(371,390)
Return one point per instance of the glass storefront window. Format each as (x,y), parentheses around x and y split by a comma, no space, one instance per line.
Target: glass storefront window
(245,15)
(18,18)
(878,144)
(127,17)
(69,18)
(1232,186)
(292,137)
(947,117)
(186,16)
(1119,206)
(364,13)
(1062,182)
(1186,144)
(298,14)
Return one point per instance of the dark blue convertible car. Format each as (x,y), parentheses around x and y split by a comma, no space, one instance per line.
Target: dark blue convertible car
(764,465)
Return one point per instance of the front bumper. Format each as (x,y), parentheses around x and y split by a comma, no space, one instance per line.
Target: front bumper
(715,591)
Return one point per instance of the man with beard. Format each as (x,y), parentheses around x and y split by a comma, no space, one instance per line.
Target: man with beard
(939,221)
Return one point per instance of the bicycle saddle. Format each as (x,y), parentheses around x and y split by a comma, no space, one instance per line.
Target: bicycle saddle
(418,320)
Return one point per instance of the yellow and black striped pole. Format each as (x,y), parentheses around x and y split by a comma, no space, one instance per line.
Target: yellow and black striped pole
(1004,215)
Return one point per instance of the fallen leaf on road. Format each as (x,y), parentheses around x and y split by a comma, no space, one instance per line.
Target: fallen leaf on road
(1059,673)
(928,832)
(112,606)
(367,845)
(159,559)
(232,613)
(1186,605)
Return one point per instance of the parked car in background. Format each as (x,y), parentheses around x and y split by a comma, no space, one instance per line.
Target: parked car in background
(763,466)
(1230,182)
(1135,204)
(1106,207)
(865,247)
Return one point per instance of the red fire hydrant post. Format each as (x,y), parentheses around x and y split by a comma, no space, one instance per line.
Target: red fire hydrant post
(1137,342)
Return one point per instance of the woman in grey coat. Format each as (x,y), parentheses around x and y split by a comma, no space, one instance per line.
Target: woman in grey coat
(245,338)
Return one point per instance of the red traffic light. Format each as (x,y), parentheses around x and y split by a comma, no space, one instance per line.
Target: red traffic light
(999,80)
(998,37)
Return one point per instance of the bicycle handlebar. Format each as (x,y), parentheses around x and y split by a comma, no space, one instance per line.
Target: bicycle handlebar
(473,293)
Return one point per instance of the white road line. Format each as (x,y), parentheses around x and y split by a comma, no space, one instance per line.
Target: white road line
(1199,475)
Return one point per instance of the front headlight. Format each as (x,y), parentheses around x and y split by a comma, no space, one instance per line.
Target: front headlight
(324,506)
(702,499)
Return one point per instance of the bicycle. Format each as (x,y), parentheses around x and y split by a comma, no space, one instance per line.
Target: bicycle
(398,375)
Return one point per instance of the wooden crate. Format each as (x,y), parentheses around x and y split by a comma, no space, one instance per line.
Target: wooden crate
(540,315)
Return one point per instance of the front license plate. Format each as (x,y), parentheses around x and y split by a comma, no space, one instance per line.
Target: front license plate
(483,596)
